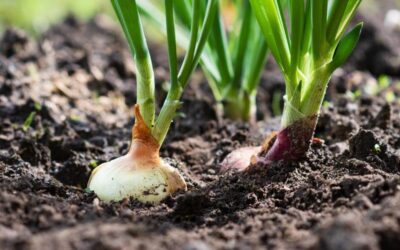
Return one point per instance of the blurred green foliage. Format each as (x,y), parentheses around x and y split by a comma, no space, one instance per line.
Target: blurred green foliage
(36,15)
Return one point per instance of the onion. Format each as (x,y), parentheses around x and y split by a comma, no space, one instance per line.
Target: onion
(140,174)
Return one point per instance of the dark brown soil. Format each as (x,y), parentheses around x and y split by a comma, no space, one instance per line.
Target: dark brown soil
(77,83)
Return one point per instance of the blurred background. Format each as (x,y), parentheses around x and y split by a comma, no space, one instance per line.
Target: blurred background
(36,16)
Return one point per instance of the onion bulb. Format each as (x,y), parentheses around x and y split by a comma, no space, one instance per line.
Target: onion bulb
(240,159)
(140,174)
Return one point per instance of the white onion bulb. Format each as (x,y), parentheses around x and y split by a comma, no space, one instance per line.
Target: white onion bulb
(140,174)
(122,178)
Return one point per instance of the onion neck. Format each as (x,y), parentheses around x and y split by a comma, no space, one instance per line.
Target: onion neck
(144,148)
(143,153)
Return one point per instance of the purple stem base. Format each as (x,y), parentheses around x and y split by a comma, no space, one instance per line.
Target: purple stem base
(290,144)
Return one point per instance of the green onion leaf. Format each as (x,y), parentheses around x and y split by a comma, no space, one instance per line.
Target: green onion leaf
(346,46)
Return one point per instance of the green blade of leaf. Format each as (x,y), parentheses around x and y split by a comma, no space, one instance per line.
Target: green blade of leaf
(129,18)
(319,13)
(220,48)
(335,16)
(256,66)
(306,44)
(346,46)
(211,10)
(297,30)
(351,8)
(193,39)
(272,25)
(172,58)
(182,10)
(242,45)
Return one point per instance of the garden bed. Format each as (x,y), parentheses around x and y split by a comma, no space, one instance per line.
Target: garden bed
(65,105)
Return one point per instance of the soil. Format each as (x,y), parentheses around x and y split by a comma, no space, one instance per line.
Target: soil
(65,105)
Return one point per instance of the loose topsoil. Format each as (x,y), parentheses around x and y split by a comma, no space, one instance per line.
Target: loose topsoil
(65,106)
